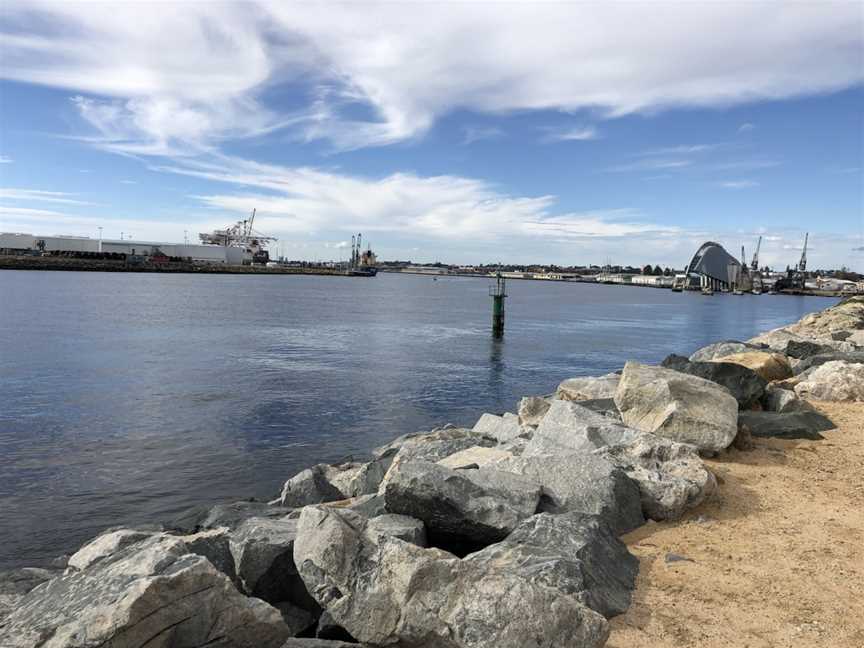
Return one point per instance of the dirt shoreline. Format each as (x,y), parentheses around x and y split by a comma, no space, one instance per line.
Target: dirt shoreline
(774,558)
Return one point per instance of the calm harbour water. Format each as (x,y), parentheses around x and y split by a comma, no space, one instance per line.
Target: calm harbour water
(129,398)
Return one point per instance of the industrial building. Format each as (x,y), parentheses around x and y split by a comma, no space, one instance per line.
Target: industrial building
(17,243)
(713,267)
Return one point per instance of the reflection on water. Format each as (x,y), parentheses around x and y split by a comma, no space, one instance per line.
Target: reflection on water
(129,398)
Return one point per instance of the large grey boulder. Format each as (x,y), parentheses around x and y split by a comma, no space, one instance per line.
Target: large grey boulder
(811,362)
(744,384)
(778,399)
(677,406)
(501,428)
(151,593)
(105,545)
(720,349)
(574,553)
(398,526)
(263,551)
(310,486)
(834,381)
(15,583)
(354,479)
(476,457)
(583,482)
(671,476)
(478,506)
(588,388)
(570,427)
(802,349)
(787,425)
(387,592)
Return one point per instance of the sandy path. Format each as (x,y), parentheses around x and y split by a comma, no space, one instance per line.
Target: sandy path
(777,553)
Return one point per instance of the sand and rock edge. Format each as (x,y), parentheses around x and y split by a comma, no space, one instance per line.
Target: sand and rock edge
(508,534)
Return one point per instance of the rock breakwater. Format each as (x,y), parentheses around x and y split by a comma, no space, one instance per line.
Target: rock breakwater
(505,535)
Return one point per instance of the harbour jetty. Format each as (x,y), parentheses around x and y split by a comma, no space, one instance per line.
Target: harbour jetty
(517,532)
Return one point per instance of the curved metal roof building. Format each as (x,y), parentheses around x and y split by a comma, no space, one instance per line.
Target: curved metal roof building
(712,261)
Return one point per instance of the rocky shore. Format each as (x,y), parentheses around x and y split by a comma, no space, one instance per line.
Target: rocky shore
(504,535)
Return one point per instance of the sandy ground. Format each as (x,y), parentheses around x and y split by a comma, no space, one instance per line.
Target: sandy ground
(775,557)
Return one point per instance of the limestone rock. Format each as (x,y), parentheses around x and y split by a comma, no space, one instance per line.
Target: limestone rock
(720,349)
(476,457)
(480,506)
(574,553)
(263,551)
(501,428)
(392,593)
(834,381)
(770,366)
(570,427)
(848,315)
(743,383)
(671,476)
(309,486)
(588,388)
(398,526)
(677,406)
(788,425)
(777,399)
(585,483)
(532,409)
(149,593)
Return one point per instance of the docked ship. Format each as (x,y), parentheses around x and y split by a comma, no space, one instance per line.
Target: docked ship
(363,263)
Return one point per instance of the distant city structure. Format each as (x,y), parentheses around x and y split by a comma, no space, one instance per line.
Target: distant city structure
(714,268)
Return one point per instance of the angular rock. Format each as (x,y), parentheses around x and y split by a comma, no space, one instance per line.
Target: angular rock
(532,409)
(106,545)
(297,619)
(355,479)
(677,406)
(476,457)
(770,366)
(720,349)
(15,583)
(263,551)
(149,593)
(389,592)
(570,427)
(820,359)
(604,406)
(574,553)
(233,514)
(398,526)
(369,506)
(309,486)
(588,388)
(585,483)
(478,506)
(834,381)
(788,425)
(848,315)
(804,349)
(743,383)
(671,476)
(777,399)
(501,428)
(320,643)
(329,629)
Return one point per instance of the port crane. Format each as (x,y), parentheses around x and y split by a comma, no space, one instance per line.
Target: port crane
(802,264)
(242,235)
(754,264)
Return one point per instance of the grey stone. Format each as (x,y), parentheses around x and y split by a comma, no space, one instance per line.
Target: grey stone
(573,553)
(787,425)
(476,457)
(585,483)
(329,629)
(480,506)
(263,551)
(721,349)
(804,349)
(501,428)
(15,583)
(570,427)
(532,409)
(671,476)
(309,486)
(369,506)
(105,545)
(777,399)
(296,618)
(677,406)
(811,362)
(604,406)
(398,526)
(150,593)
(387,592)
(356,479)
(320,643)
(588,388)
(744,384)
(833,381)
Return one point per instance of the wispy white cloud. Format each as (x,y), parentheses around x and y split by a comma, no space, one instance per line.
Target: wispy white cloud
(5,160)
(739,184)
(651,165)
(38,195)
(129,182)
(473,134)
(571,134)
(746,127)
(197,73)
(747,164)
(683,149)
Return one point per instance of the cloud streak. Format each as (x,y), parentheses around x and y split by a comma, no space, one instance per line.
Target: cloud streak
(192,75)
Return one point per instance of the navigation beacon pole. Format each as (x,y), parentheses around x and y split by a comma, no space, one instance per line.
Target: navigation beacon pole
(498,292)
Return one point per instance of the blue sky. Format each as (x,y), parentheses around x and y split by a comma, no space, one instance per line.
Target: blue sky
(471,133)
